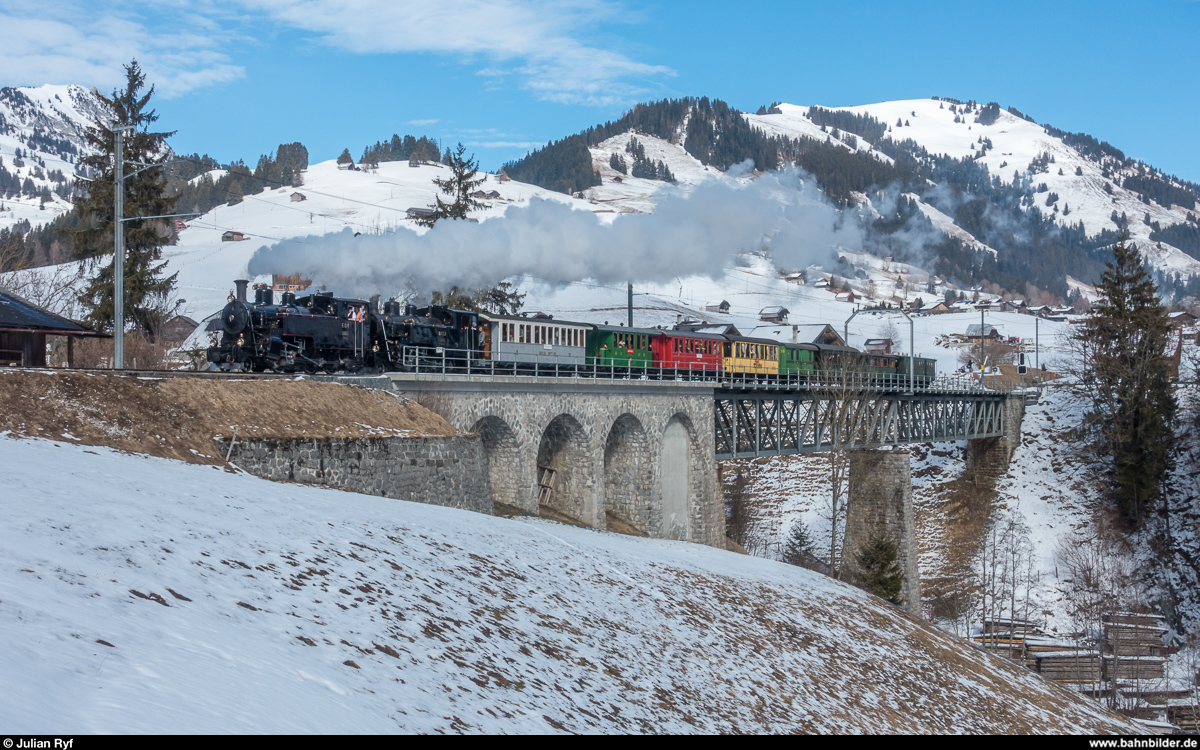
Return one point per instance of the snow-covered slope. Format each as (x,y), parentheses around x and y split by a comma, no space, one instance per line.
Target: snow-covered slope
(47,124)
(1017,143)
(636,194)
(146,595)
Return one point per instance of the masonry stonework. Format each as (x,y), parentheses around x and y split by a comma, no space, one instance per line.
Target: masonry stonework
(880,502)
(619,452)
(988,458)
(447,471)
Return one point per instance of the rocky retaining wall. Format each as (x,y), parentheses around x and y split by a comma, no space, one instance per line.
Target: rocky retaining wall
(447,471)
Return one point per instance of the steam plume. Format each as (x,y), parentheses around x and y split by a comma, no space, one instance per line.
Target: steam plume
(689,233)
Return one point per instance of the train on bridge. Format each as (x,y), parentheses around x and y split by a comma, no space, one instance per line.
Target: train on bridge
(323,333)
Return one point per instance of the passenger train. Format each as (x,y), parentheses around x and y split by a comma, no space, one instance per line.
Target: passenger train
(322,333)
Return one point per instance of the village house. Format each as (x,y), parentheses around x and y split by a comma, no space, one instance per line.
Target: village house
(416,212)
(717,307)
(844,296)
(1181,319)
(975,331)
(298,196)
(232,236)
(773,314)
(878,346)
(177,329)
(24,327)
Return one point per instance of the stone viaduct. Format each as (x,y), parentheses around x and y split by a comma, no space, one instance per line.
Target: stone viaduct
(643,454)
(598,454)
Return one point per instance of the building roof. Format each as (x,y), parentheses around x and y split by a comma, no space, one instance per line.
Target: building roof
(19,314)
(988,330)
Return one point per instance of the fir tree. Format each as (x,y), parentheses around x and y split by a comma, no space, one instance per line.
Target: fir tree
(146,285)
(799,548)
(1128,380)
(459,186)
(879,568)
(345,158)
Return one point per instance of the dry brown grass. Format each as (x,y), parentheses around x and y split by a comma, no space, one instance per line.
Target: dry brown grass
(180,417)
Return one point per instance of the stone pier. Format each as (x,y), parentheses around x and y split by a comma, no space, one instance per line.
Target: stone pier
(987,458)
(880,502)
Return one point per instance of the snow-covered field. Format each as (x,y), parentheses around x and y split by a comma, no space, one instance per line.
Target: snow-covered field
(146,595)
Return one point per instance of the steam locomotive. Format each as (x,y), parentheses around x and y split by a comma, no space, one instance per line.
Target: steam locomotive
(323,333)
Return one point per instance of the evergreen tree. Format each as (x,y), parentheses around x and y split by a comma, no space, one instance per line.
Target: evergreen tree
(235,193)
(459,186)
(879,568)
(799,548)
(1128,380)
(345,158)
(146,285)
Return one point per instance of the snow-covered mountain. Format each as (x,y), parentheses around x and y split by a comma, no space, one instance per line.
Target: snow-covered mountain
(46,126)
(1088,186)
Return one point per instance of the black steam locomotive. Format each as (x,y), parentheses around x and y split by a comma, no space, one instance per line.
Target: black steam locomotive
(323,333)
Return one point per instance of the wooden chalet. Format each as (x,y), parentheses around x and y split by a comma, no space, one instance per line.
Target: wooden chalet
(976,331)
(1075,666)
(24,327)
(177,329)
(773,314)
(232,236)
(878,346)
(416,212)
(298,196)
(1180,319)
(717,307)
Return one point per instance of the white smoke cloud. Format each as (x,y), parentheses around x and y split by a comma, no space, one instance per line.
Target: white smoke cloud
(689,233)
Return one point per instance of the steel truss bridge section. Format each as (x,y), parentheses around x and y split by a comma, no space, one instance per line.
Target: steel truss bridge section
(750,424)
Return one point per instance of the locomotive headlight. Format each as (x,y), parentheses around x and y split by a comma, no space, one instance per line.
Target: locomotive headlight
(212,339)
(241,340)
(375,348)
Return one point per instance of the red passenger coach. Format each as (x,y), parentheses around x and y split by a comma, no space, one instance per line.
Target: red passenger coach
(683,350)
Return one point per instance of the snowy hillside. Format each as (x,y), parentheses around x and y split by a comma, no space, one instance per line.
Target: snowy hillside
(46,124)
(185,598)
(1017,144)
(636,194)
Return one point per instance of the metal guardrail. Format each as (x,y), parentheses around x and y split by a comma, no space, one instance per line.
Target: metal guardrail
(439,362)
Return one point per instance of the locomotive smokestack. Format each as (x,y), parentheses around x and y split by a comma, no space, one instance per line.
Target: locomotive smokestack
(241,289)
(374,303)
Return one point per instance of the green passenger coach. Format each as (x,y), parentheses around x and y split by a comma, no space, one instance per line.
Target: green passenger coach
(797,359)
(615,346)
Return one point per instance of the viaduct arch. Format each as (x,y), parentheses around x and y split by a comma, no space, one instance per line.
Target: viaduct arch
(597,455)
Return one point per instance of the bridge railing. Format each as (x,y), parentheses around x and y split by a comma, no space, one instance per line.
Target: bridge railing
(440,361)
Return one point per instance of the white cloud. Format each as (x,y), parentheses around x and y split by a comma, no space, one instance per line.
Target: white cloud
(540,38)
(64,42)
(433,121)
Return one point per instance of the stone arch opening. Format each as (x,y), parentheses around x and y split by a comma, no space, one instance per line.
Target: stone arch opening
(564,474)
(678,478)
(503,452)
(628,480)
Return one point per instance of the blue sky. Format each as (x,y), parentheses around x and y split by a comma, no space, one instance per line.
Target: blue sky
(237,77)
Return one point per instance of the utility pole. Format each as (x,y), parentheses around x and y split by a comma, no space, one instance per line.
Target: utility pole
(982,336)
(119,249)
(630,304)
(1037,350)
